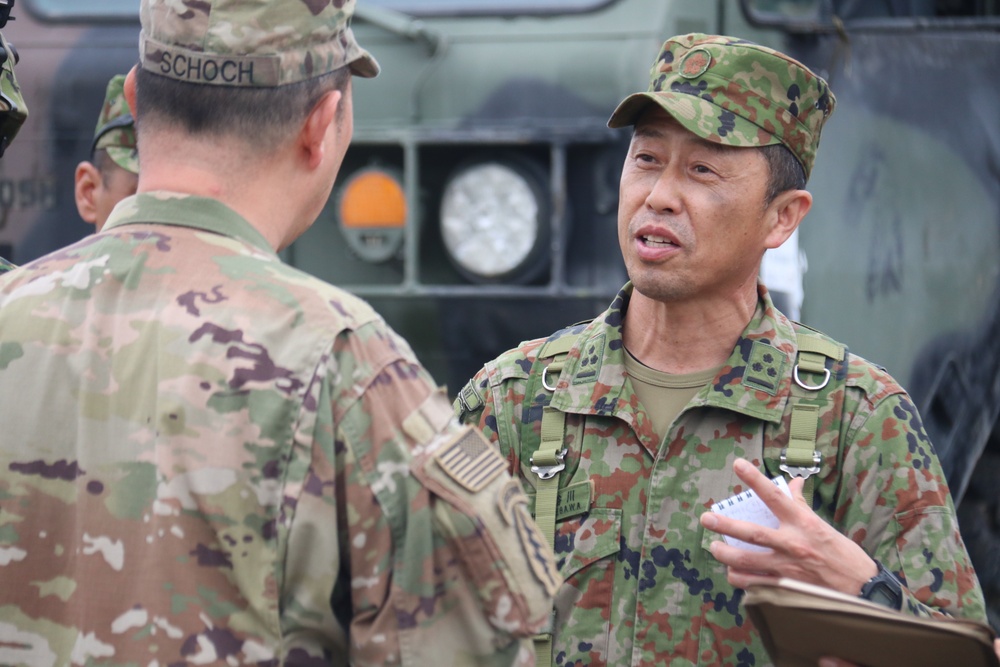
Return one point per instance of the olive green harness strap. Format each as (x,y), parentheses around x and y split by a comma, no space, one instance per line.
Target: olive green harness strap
(801,458)
(547,462)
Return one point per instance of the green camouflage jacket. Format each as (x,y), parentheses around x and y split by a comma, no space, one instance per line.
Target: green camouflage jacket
(209,457)
(5,265)
(641,587)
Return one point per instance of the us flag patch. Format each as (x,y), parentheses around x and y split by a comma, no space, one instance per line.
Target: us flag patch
(471,461)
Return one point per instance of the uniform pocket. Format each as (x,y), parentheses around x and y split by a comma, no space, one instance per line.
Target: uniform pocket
(707,537)
(586,546)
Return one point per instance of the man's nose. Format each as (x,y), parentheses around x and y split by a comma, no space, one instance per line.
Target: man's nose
(664,196)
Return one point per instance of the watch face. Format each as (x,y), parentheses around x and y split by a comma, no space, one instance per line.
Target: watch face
(884,589)
(883,594)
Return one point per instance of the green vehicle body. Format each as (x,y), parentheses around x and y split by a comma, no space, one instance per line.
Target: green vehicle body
(902,247)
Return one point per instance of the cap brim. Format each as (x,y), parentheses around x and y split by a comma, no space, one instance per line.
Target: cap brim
(364,65)
(696,115)
(126,158)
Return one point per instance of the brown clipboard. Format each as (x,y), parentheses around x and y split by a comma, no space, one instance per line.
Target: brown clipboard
(800,623)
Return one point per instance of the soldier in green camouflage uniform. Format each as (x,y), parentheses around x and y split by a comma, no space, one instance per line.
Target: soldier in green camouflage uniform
(13,110)
(647,582)
(111,173)
(209,457)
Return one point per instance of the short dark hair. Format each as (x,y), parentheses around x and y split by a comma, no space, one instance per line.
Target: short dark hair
(265,116)
(785,171)
(103,163)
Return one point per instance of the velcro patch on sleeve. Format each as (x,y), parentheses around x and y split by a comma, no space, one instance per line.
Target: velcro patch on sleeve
(430,418)
(471,460)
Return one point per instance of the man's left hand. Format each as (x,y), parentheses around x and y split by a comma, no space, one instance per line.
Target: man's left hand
(804,546)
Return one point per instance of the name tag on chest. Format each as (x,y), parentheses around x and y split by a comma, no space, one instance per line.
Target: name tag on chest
(572,500)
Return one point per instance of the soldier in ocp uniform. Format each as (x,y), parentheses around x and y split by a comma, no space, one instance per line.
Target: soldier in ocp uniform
(112,172)
(209,457)
(13,110)
(692,387)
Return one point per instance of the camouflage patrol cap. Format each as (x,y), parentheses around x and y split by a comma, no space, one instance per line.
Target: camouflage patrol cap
(115,131)
(736,93)
(13,110)
(250,43)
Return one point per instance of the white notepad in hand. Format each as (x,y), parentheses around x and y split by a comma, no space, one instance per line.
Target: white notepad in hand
(747,506)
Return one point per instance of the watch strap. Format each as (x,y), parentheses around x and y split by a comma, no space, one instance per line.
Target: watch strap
(884,589)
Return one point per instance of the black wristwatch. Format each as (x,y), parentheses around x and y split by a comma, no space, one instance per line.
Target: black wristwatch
(884,589)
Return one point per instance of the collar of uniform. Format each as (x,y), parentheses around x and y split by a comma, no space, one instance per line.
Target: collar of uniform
(754,380)
(173,208)
(593,378)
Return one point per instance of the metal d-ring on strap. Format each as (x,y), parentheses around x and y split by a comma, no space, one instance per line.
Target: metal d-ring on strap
(798,380)
(801,458)
(555,367)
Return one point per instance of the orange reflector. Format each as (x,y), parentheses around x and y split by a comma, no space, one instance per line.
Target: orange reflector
(372,198)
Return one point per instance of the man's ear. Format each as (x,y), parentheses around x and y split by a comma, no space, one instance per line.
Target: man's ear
(784,215)
(128,89)
(87,181)
(313,135)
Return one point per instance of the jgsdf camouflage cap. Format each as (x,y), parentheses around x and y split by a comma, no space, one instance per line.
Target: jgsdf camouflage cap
(736,93)
(13,110)
(250,43)
(115,131)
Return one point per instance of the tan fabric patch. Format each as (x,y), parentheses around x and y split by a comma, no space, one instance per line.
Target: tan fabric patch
(514,508)
(432,417)
(471,460)
(416,426)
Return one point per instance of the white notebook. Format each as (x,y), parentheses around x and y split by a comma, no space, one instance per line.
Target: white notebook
(747,506)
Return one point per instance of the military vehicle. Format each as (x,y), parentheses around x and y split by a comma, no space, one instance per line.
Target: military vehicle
(477,205)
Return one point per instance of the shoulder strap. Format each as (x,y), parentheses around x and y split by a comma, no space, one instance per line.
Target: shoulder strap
(801,457)
(548,460)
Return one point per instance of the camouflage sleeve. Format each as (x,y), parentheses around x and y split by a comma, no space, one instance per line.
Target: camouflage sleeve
(895,503)
(493,400)
(428,568)
(471,404)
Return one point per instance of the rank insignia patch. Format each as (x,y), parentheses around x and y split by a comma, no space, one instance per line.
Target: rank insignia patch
(765,368)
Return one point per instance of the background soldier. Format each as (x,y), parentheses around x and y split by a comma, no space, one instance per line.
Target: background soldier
(648,415)
(210,457)
(112,173)
(13,110)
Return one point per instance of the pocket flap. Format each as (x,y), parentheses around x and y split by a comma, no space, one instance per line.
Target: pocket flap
(587,538)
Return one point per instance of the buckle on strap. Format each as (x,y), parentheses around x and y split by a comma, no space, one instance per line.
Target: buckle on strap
(800,470)
(549,471)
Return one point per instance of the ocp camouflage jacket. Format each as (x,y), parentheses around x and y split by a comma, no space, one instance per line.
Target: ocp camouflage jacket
(641,586)
(210,457)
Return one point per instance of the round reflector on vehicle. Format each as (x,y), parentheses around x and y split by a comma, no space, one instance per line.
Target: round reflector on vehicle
(372,213)
(495,220)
